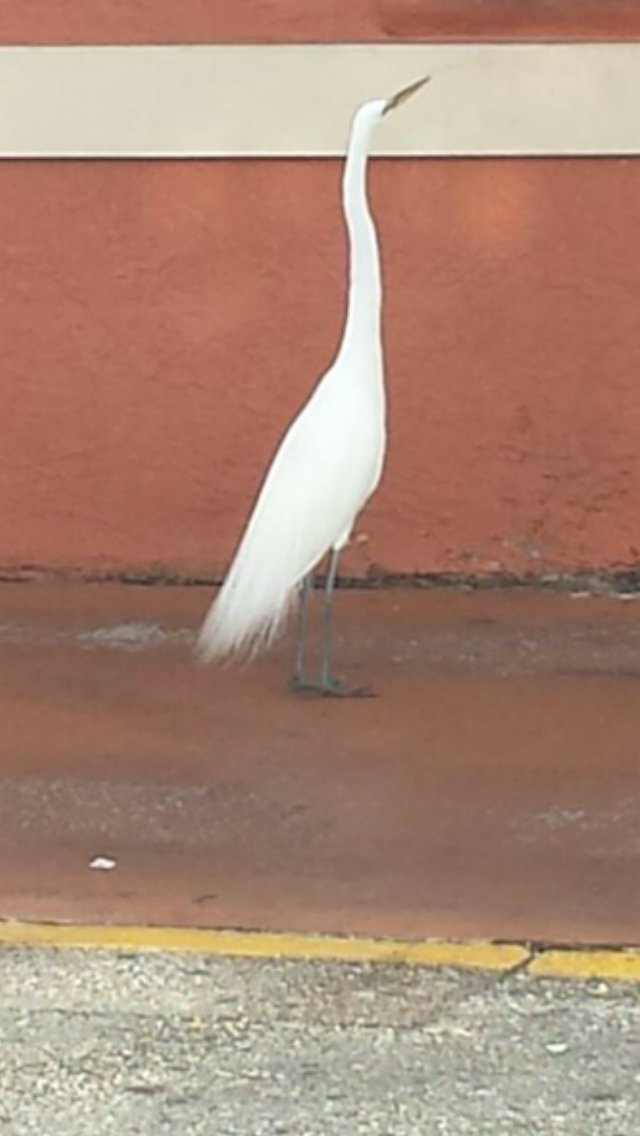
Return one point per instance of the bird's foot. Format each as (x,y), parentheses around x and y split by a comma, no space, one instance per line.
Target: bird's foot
(329,688)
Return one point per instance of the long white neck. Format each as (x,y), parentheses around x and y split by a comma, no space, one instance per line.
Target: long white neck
(362,325)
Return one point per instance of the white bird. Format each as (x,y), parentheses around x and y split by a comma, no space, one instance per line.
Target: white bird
(328,463)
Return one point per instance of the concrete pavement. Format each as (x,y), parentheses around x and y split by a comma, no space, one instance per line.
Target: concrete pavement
(139,1044)
(491,790)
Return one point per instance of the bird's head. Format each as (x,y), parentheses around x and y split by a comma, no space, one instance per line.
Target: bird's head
(401,97)
(370,114)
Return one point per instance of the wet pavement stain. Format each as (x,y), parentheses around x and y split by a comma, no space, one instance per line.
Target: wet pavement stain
(491,790)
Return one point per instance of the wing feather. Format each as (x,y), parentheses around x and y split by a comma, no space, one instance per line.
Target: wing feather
(320,477)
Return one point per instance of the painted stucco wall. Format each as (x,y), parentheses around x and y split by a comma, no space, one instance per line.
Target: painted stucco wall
(276,21)
(161,322)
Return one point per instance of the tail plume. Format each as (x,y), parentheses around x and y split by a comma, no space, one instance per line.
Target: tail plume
(245,618)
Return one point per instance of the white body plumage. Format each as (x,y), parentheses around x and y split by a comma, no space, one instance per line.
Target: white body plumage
(330,460)
(327,466)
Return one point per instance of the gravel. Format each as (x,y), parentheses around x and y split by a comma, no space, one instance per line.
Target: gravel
(95,1043)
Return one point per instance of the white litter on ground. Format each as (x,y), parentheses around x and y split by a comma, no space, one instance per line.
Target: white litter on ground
(102,864)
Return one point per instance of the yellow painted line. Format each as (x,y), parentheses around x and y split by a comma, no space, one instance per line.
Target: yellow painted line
(589,963)
(612,965)
(261,944)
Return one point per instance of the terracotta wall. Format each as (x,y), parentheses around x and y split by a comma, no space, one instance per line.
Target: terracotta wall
(162,321)
(281,21)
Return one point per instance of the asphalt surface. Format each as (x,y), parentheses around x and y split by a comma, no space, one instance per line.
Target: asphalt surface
(95,1043)
(491,790)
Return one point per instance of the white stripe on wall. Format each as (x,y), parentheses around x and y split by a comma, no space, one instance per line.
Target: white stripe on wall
(235,101)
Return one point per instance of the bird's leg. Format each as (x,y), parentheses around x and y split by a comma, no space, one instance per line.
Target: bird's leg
(327,621)
(330,686)
(326,684)
(298,679)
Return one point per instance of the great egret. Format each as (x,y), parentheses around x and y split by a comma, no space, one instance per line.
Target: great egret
(327,465)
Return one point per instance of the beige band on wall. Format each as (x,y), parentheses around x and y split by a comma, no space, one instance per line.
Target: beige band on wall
(296,101)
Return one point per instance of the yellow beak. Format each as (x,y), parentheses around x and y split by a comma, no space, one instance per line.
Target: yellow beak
(406,93)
